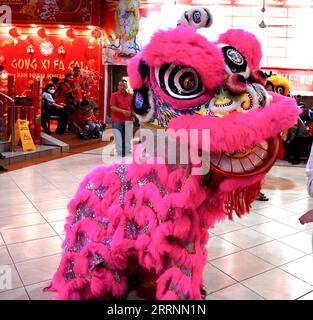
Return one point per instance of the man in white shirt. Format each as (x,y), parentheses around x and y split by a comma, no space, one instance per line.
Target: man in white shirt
(308,216)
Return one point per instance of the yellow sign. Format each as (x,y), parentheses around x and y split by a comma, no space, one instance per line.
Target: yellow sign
(22,133)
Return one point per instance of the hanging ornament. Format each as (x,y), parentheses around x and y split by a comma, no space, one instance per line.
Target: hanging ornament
(71,34)
(42,33)
(15,33)
(30,49)
(96,33)
(46,48)
(91,53)
(61,50)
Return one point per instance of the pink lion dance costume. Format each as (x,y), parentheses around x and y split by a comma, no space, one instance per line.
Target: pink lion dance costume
(157,216)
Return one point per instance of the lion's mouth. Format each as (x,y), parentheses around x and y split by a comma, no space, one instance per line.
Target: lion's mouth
(251,161)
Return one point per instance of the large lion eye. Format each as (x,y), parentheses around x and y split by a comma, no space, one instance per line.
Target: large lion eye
(235,61)
(180,82)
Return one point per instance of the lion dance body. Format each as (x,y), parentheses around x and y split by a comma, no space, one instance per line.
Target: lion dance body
(157,216)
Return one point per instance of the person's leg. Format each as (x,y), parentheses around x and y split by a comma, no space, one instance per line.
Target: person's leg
(117,132)
(294,150)
(128,136)
(44,123)
(262,197)
(123,139)
(92,127)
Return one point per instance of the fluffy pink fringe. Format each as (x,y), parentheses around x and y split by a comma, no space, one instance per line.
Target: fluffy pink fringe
(180,46)
(238,131)
(246,43)
(177,228)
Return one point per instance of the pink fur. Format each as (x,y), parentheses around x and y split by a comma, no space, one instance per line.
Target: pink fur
(238,131)
(183,46)
(246,43)
(133,72)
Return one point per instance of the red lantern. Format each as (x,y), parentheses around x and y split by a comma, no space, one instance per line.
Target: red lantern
(42,33)
(14,32)
(91,53)
(71,33)
(96,33)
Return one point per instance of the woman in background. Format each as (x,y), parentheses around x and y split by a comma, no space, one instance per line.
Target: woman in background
(50,107)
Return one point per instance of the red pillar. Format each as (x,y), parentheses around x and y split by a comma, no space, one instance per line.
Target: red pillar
(37,109)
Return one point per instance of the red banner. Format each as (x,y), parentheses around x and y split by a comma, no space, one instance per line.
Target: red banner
(43,58)
(300,80)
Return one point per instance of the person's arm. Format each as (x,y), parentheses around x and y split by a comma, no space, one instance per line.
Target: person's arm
(117,109)
(309,173)
(77,126)
(48,97)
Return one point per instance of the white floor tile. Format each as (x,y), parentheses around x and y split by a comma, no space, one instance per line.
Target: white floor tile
(301,268)
(245,238)
(5,256)
(27,233)
(21,221)
(241,265)
(274,212)
(225,227)
(276,253)
(277,285)
(234,292)
(274,229)
(35,249)
(215,279)
(308,296)
(1,240)
(55,215)
(15,209)
(58,227)
(252,219)
(36,292)
(15,294)
(301,241)
(218,247)
(38,270)
(52,204)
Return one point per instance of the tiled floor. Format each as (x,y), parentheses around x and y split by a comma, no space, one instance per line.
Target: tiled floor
(265,255)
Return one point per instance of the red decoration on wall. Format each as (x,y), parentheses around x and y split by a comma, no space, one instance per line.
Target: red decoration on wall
(71,33)
(91,53)
(14,32)
(96,33)
(42,33)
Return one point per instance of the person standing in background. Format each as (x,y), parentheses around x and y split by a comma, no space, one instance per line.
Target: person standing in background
(78,86)
(121,115)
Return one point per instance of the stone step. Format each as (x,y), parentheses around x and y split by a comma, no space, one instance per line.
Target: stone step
(20,156)
(4,146)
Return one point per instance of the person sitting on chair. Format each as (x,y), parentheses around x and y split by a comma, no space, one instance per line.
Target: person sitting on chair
(50,107)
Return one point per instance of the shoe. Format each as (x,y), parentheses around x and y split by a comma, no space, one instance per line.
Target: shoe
(2,156)
(295,161)
(262,197)
(3,169)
